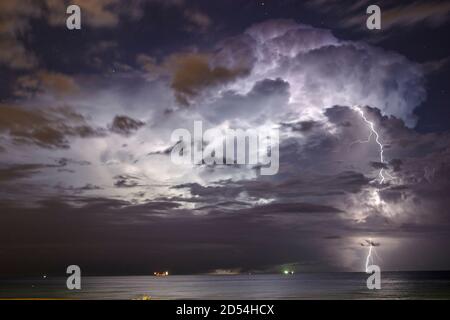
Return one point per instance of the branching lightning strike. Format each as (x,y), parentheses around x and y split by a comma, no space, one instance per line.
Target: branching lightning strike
(377,140)
(373,132)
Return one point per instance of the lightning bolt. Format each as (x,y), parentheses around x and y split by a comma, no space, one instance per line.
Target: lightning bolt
(373,132)
(369,256)
(382,173)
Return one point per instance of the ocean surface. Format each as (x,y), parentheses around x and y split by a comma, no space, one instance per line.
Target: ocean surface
(394,285)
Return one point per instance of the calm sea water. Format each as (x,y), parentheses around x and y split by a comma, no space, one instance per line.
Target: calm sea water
(395,285)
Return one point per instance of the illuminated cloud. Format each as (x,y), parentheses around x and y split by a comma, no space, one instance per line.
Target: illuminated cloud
(323,71)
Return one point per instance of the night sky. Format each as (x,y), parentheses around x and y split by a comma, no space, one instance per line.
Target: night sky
(86,117)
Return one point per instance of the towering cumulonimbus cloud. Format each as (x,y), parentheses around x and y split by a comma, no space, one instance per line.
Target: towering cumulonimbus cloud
(323,71)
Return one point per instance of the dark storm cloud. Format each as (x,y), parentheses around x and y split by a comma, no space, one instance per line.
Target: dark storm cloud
(199,190)
(66,161)
(194,72)
(125,125)
(324,185)
(10,173)
(294,208)
(166,151)
(47,128)
(14,20)
(378,165)
(396,164)
(301,126)
(14,172)
(109,226)
(269,87)
(90,187)
(43,82)
(126,181)
(289,188)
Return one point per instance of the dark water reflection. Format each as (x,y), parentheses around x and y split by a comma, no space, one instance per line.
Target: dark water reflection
(395,285)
